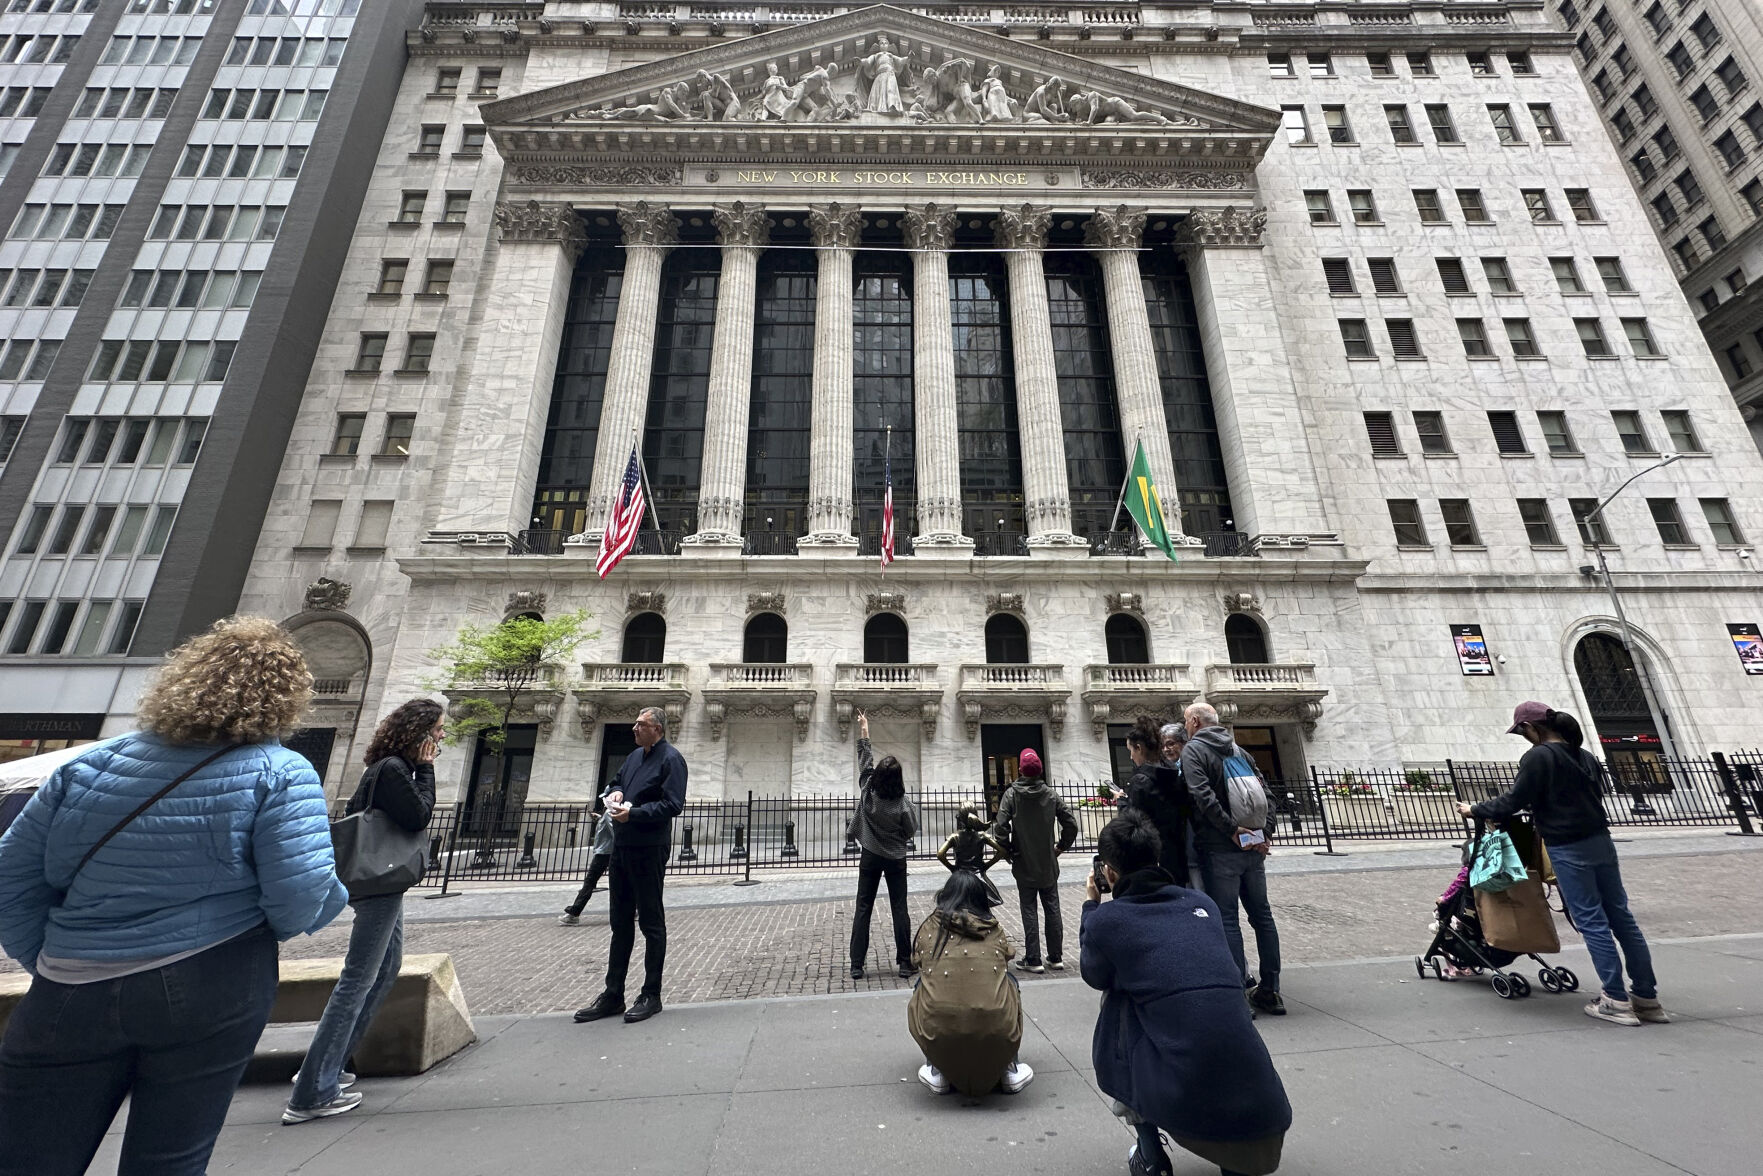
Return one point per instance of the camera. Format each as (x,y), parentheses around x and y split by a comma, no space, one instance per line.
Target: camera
(1096,873)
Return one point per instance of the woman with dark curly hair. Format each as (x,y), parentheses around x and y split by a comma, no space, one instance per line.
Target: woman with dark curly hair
(399,781)
(883,826)
(145,887)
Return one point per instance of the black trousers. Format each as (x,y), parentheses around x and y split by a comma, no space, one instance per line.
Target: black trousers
(596,870)
(1047,899)
(871,869)
(637,874)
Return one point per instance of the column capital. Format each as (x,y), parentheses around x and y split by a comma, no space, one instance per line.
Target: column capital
(1120,227)
(835,226)
(540,221)
(1024,227)
(741,224)
(1233,225)
(648,224)
(930,226)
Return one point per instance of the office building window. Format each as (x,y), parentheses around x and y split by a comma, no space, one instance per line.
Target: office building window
(1591,337)
(1356,339)
(1380,64)
(371,354)
(1522,339)
(1542,115)
(1381,428)
(392,273)
(1520,63)
(346,442)
(1384,278)
(1404,343)
(1679,57)
(1632,432)
(440,277)
(1321,65)
(1732,77)
(1363,205)
(1499,275)
(1536,202)
(489,83)
(1556,433)
(1702,98)
(1430,428)
(1615,278)
(1508,437)
(1682,431)
(1438,117)
(400,427)
(1730,151)
(1459,522)
(1420,64)
(1664,209)
(471,140)
(1736,360)
(458,203)
(1405,519)
(1475,338)
(1451,275)
(1426,203)
(1579,203)
(1669,521)
(1643,166)
(1640,338)
(1297,125)
(418,351)
(1320,206)
(1505,130)
(1713,234)
(1721,521)
(1339,129)
(1593,532)
(1566,275)
(410,208)
(1474,210)
(1279,65)
(1539,524)
(429,139)
(447,81)
(1401,128)
(1339,275)
(1481,63)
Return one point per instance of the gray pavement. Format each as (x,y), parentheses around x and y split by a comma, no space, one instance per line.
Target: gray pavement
(1387,1074)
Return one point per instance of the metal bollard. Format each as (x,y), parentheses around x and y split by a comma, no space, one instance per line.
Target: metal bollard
(739,852)
(687,853)
(1297,815)
(435,852)
(527,861)
(789,850)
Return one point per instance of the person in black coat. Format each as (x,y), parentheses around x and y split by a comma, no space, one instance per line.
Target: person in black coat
(1174,1045)
(1155,790)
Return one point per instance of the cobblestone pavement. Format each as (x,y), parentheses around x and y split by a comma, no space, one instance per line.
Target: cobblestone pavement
(765,948)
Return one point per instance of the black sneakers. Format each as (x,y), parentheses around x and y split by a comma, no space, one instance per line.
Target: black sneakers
(605,1005)
(1267,1001)
(647,1006)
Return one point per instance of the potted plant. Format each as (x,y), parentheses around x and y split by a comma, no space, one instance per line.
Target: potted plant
(1350,802)
(1423,799)
(1095,811)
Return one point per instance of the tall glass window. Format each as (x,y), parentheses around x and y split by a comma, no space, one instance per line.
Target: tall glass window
(673,436)
(1094,464)
(573,427)
(985,395)
(883,395)
(780,421)
(1187,398)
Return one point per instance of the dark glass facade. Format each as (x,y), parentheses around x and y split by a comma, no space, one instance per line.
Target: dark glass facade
(673,433)
(985,395)
(1200,479)
(573,426)
(1094,463)
(882,395)
(780,421)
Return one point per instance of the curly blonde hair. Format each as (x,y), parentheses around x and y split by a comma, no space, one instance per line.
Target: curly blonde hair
(242,681)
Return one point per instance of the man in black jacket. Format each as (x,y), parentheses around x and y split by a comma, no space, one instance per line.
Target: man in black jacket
(645,796)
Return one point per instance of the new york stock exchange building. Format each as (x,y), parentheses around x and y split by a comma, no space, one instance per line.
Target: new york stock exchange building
(1365,280)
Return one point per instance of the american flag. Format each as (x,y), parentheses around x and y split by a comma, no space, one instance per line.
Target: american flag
(887,543)
(624,521)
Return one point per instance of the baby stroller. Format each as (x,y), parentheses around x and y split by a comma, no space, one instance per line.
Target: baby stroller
(1459,946)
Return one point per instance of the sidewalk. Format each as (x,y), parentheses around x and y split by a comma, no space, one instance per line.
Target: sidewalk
(1387,1074)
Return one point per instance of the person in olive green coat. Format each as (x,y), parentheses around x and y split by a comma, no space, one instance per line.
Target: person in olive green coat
(966,1011)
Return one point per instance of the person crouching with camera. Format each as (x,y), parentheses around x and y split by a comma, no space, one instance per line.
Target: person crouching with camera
(1174,1046)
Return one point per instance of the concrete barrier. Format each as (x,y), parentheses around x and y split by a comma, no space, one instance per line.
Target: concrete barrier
(423,1021)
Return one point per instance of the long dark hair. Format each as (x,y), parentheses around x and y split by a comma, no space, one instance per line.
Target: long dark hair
(403,731)
(1147,736)
(1565,725)
(964,893)
(888,781)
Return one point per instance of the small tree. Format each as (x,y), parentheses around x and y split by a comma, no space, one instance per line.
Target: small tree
(504,662)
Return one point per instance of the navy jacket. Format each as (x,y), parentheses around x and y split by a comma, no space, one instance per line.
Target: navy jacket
(654,785)
(1175,1041)
(1562,787)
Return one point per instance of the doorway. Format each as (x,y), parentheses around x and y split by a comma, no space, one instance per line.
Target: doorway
(1001,746)
(1263,748)
(499,782)
(617,740)
(1618,710)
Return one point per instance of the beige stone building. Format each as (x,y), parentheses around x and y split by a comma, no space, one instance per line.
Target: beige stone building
(1367,282)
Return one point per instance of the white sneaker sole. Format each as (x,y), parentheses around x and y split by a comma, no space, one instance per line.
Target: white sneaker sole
(290,1116)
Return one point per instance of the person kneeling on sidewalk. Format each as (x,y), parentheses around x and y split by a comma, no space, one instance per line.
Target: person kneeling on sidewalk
(1174,1045)
(966,1010)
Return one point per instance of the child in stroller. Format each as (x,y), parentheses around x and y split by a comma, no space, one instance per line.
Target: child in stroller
(1459,950)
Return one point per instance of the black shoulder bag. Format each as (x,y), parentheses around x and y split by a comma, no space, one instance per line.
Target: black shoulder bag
(141,808)
(376,855)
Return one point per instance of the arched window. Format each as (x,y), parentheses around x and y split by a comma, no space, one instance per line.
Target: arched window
(1246,641)
(1006,641)
(1617,707)
(1127,645)
(885,640)
(767,639)
(645,639)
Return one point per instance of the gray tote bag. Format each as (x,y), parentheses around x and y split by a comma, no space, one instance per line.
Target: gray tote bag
(375,854)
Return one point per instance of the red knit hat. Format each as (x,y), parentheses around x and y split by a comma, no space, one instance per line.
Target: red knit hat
(1029,762)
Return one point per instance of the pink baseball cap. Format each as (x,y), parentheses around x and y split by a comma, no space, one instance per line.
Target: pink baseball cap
(1029,762)
(1528,712)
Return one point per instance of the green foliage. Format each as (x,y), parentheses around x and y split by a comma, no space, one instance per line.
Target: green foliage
(498,665)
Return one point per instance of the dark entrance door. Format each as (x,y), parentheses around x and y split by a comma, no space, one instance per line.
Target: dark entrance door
(1263,749)
(616,742)
(1628,739)
(1001,745)
(499,783)
(315,744)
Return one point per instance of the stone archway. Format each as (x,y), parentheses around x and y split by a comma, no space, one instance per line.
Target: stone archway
(339,654)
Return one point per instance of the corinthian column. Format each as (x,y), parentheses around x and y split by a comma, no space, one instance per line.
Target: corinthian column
(1116,234)
(650,231)
(743,230)
(1045,487)
(836,229)
(936,425)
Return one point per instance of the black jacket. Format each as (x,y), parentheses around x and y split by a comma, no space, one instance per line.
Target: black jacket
(1202,769)
(1562,786)
(403,791)
(1157,791)
(654,785)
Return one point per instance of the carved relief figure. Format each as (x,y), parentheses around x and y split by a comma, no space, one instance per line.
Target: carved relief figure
(1046,103)
(813,92)
(1093,108)
(669,105)
(994,101)
(717,100)
(882,69)
(776,97)
(946,92)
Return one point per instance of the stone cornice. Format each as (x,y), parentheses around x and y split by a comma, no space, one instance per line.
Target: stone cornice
(538,221)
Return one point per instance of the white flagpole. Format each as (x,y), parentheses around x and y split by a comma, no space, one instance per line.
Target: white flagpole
(1114,523)
(648,491)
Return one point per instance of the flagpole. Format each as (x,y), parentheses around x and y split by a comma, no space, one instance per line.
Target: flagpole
(887,477)
(648,491)
(1114,523)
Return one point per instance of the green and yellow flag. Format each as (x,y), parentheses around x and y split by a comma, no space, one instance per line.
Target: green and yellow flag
(1144,506)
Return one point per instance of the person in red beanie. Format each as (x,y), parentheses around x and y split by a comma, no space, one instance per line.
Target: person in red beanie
(1026,818)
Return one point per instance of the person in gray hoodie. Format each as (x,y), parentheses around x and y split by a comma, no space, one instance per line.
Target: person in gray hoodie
(883,825)
(1025,825)
(1231,872)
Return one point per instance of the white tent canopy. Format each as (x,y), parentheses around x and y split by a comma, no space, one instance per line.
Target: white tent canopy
(31,772)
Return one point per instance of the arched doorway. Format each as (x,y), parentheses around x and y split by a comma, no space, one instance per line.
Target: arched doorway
(1006,641)
(1617,707)
(645,639)
(1245,640)
(340,658)
(885,640)
(1126,641)
(766,641)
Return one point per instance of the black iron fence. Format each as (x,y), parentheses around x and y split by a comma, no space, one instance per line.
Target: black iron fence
(552,842)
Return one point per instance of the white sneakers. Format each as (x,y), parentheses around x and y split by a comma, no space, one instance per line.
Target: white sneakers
(343,1102)
(933,1079)
(568,920)
(1016,1077)
(1024,966)
(1617,1012)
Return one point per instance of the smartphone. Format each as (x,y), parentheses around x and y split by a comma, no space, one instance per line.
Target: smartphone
(1096,873)
(1247,839)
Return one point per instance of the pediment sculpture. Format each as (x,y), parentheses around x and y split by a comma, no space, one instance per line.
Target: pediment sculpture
(883,87)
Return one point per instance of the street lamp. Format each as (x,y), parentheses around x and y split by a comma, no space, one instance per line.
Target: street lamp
(1628,646)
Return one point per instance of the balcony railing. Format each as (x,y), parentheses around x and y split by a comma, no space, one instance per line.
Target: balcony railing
(994,543)
(1139,677)
(1228,544)
(1263,677)
(538,543)
(768,543)
(869,542)
(634,675)
(1117,543)
(1013,677)
(883,675)
(760,675)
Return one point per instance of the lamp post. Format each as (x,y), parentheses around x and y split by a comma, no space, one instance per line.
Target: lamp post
(1628,646)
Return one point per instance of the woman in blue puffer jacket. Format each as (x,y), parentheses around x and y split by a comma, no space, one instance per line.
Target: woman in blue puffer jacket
(149,917)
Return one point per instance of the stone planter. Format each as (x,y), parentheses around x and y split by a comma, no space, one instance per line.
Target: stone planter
(1347,813)
(1432,810)
(1092,820)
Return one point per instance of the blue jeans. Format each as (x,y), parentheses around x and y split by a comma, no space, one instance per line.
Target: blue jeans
(1232,875)
(175,1041)
(1590,882)
(376,949)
